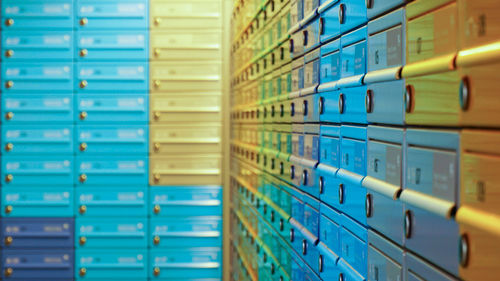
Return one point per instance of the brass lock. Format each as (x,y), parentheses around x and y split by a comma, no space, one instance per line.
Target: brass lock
(157,147)
(84,21)
(157,83)
(157,21)
(156,271)
(83,146)
(9,115)
(9,178)
(82,209)
(8,272)
(83,178)
(9,22)
(83,52)
(83,271)
(157,51)
(9,53)
(157,115)
(83,84)
(156,240)
(83,115)
(156,209)
(157,178)
(9,146)
(9,84)
(8,209)
(83,240)
(8,240)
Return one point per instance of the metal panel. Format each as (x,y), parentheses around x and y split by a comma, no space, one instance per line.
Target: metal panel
(111,264)
(385,259)
(31,202)
(37,14)
(115,77)
(191,107)
(105,201)
(116,170)
(37,77)
(196,45)
(185,200)
(112,45)
(37,233)
(107,139)
(37,45)
(417,269)
(188,232)
(196,14)
(39,139)
(35,170)
(39,264)
(186,138)
(185,170)
(352,13)
(99,233)
(111,108)
(112,14)
(354,245)
(39,108)
(185,263)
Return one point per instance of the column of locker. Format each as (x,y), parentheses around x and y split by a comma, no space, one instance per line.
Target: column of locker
(37,140)
(185,232)
(111,139)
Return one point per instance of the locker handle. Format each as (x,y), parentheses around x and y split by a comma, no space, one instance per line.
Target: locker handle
(190,234)
(432,204)
(382,187)
(189,172)
(189,265)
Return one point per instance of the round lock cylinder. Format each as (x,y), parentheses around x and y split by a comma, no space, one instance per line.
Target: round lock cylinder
(157,51)
(304,247)
(9,115)
(320,263)
(157,147)
(83,178)
(321,184)
(156,240)
(273,269)
(82,240)
(156,209)
(8,272)
(408,224)
(369,101)
(84,21)
(9,84)
(157,83)
(321,105)
(157,115)
(83,146)
(342,13)
(82,271)
(341,277)
(157,21)
(9,53)
(83,115)
(463,250)
(272,216)
(305,108)
(292,235)
(464,93)
(83,52)
(9,146)
(8,209)
(282,225)
(8,240)
(9,22)
(9,178)
(264,257)
(369,4)
(341,103)
(341,193)
(304,178)
(82,209)
(282,168)
(156,178)
(83,84)
(409,98)
(292,172)
(369,205)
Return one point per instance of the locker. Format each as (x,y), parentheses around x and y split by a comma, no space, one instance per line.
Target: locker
(36,14)
(111,108)
(477,245)
(116,170)
(352,105)
(376,8)
(106,139)
(106,201)
(115,77)
(185,200)
(354,245)
(37,77)
(417,269)
(36,170)
(310,252)
(384,181)
(185,263)
(29,233)
(112,14)
(329,163)
(476,91)
(351,14)
(112,45)
(195,45)
(37,45)
(329,25)
(39,139)
(477,26)
(329,106)
(111,264)
(296,220)
(431,195)
(311,72)
(327,263)
(185,138)
(330,225)
(297,44)
(37,264)
(40,108)
(329,64)
(99,233)
(385,259)
(310,8)
(432,34)
(353,57)
(352,170)
(386,41)
(478,166)
(204,169)
(31,201)
(310,32)
(385,102)
(188,77)
(188,232)
(196,14)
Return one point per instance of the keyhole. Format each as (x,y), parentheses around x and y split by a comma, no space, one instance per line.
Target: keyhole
(375,165)
(376,57)
(419,45)
(417,176)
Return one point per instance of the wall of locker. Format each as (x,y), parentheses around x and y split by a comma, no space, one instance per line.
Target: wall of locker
(111,138)
(363,140)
